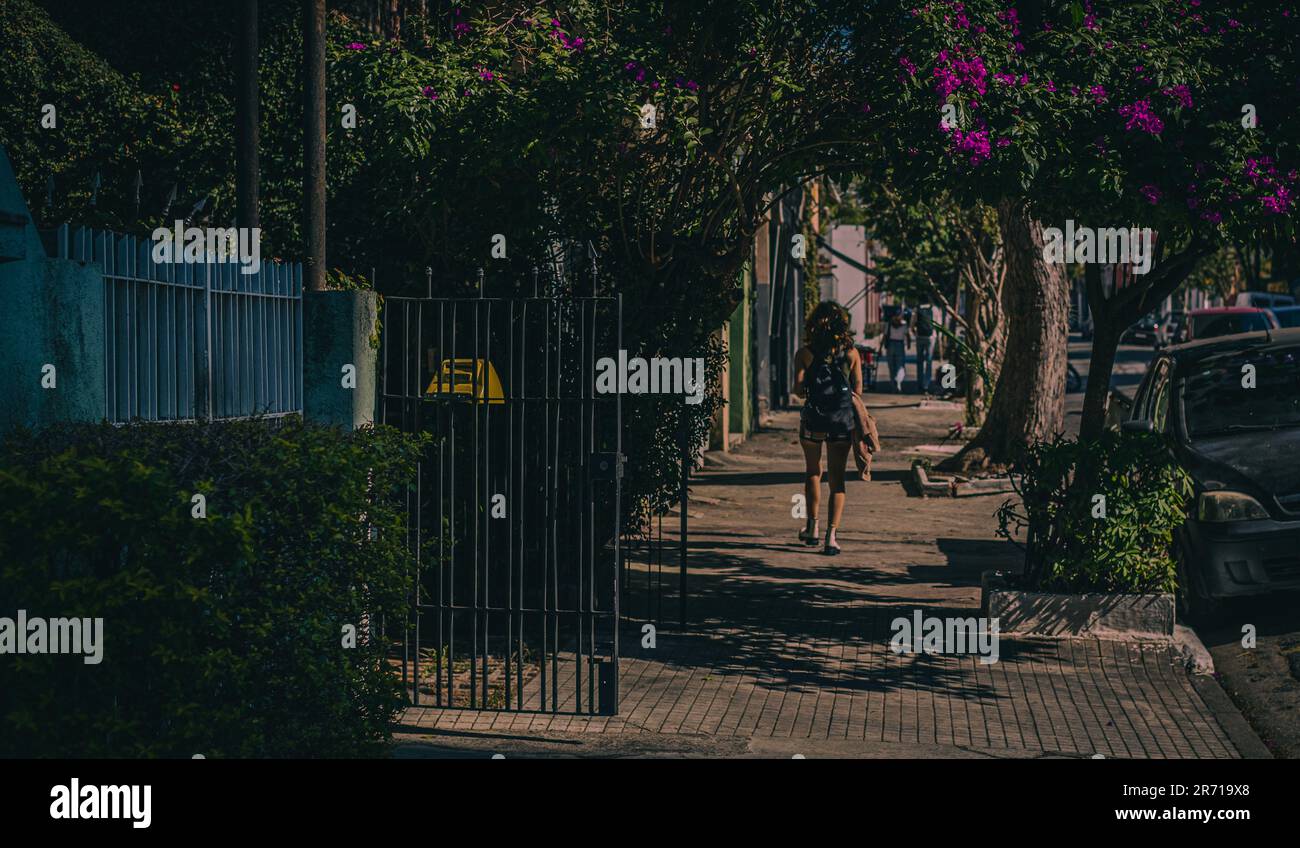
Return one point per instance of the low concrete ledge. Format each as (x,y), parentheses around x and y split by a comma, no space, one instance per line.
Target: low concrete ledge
(1148,617)
(957,486)
(950,405)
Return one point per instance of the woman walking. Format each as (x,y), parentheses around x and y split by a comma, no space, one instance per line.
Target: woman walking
(828,372)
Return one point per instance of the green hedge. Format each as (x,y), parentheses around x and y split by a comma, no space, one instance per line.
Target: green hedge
(1071,546)
(223,635)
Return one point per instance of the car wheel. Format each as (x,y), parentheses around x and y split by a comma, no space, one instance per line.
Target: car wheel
(1192,603)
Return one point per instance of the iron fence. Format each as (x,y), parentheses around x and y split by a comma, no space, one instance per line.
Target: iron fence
(191,340)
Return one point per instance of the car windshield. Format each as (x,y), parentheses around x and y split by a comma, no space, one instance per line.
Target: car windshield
(1219,395)
(1227,324)
(1288,317)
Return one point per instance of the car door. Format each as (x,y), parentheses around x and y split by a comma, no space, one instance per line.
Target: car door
(1153,393)
(1159,396)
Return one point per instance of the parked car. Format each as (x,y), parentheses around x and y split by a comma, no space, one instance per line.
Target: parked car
(1227,321)
(1263,300)
(1175,324)
(1287,316)
(1145,332)
(1240,443)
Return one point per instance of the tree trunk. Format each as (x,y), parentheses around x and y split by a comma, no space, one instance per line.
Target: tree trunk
(246,117)
(314,143)
(986,329)
(392,20)
(1101,362)
(1029,399)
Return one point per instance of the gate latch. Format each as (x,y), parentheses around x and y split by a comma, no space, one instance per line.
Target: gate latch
(607,466)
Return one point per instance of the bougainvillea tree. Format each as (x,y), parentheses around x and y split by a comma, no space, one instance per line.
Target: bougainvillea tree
(1111,115)
(659,135)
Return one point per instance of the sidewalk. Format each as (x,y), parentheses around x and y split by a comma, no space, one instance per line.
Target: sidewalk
(787,650)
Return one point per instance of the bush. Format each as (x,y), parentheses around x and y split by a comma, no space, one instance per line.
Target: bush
(222,636)
(1067,548)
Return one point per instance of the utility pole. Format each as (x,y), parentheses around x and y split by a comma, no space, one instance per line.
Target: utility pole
(313,153)
(247,173)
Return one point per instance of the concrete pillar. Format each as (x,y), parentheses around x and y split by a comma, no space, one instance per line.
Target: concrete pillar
(340,329)
(51,325)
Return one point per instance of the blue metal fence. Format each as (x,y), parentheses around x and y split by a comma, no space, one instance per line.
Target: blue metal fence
(188,341)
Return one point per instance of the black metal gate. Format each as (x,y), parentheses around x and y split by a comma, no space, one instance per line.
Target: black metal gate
(515,517)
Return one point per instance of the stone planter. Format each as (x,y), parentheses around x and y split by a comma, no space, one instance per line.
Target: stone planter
(1148,617)
(931,485)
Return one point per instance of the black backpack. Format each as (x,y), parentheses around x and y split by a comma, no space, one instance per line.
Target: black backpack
(828,385)
(924,321)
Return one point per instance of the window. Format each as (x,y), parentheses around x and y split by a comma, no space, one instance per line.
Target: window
(1228,324)
(1215,401)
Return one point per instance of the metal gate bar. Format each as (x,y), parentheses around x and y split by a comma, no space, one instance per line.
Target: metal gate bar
(522,482)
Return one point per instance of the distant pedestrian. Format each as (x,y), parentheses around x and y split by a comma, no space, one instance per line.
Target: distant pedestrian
(898,337)
(828,373)
(922,326)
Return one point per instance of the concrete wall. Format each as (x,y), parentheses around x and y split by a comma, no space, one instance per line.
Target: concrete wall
(740,371)
(51,313)
(847,281)
(339,328)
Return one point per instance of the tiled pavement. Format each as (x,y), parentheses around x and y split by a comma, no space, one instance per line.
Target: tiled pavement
(787,644)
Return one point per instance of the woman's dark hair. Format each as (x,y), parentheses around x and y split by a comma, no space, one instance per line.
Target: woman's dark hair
(827,327)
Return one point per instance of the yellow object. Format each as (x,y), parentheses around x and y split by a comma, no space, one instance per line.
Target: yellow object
(464,376)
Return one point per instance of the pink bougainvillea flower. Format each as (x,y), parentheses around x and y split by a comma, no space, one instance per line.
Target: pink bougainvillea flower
(1140,117)
(1279,202)
(973,145)
(1180,93)
(356,45)
(953,73)
(1151,193)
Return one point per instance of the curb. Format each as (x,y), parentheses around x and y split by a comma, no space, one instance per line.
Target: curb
(1234,724)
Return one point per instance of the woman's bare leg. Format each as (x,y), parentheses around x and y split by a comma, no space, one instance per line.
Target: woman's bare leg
(812,482)
(837,455)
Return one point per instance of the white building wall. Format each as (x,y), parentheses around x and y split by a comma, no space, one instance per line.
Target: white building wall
(848,282)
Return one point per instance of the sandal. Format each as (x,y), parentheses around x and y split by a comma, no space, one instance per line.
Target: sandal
(832,548)
(809,539)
